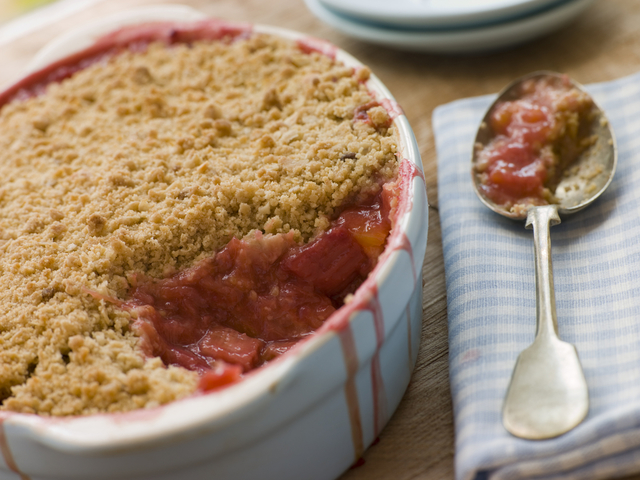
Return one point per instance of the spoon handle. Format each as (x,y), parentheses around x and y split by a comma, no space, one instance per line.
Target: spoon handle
(548,393)
(540,219)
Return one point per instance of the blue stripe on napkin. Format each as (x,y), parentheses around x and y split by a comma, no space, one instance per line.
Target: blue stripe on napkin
(491,306)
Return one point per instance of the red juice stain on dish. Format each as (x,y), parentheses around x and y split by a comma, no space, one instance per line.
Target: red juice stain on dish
(407,172)
(317,45)
(397,196)
(392,107)
(257,297)
(6,451)
(367,299)
(364,301)
(377,383)
(402,204)
(401,243)
(348,345)
(340,321)
(134,38)
(535,136)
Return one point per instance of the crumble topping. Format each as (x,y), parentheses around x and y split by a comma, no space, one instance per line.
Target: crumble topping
(146,163)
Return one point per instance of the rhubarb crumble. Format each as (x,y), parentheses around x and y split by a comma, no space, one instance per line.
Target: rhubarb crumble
(169,201)
(535,137)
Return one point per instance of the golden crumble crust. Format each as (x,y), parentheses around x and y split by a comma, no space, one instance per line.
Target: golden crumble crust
(146,163)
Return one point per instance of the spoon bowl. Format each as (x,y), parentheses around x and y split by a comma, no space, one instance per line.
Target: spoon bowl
(586,179)
(548,393)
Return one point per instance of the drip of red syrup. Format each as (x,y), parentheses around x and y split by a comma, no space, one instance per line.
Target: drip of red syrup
(6,451)
(348,345)
(317,45)
(377,383)
(392,107)
(402,203)
(400,198)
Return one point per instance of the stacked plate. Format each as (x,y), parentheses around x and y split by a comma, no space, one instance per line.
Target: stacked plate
(447,26)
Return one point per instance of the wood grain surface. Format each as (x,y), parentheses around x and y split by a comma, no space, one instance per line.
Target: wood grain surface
(602,44)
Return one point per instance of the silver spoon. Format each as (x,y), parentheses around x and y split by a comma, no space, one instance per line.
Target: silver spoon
(548,393)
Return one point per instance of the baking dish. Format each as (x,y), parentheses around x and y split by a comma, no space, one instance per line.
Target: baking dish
(311,413)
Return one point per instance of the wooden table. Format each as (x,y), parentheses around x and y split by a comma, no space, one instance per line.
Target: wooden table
(603,44)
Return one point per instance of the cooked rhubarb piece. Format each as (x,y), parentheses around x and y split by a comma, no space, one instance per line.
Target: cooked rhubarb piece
(257,297)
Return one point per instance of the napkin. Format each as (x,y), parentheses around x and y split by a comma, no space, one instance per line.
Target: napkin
(489,267)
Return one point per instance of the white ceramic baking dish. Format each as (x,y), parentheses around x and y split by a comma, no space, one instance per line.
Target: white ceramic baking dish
(308,415)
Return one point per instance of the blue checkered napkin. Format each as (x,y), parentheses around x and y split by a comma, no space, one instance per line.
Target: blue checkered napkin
(491,305)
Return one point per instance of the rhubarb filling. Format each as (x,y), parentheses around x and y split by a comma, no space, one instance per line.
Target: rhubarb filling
(181,204)
(257,297)
(535,137)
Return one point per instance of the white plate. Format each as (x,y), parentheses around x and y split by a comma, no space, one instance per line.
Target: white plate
(438,13)
(468,40)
